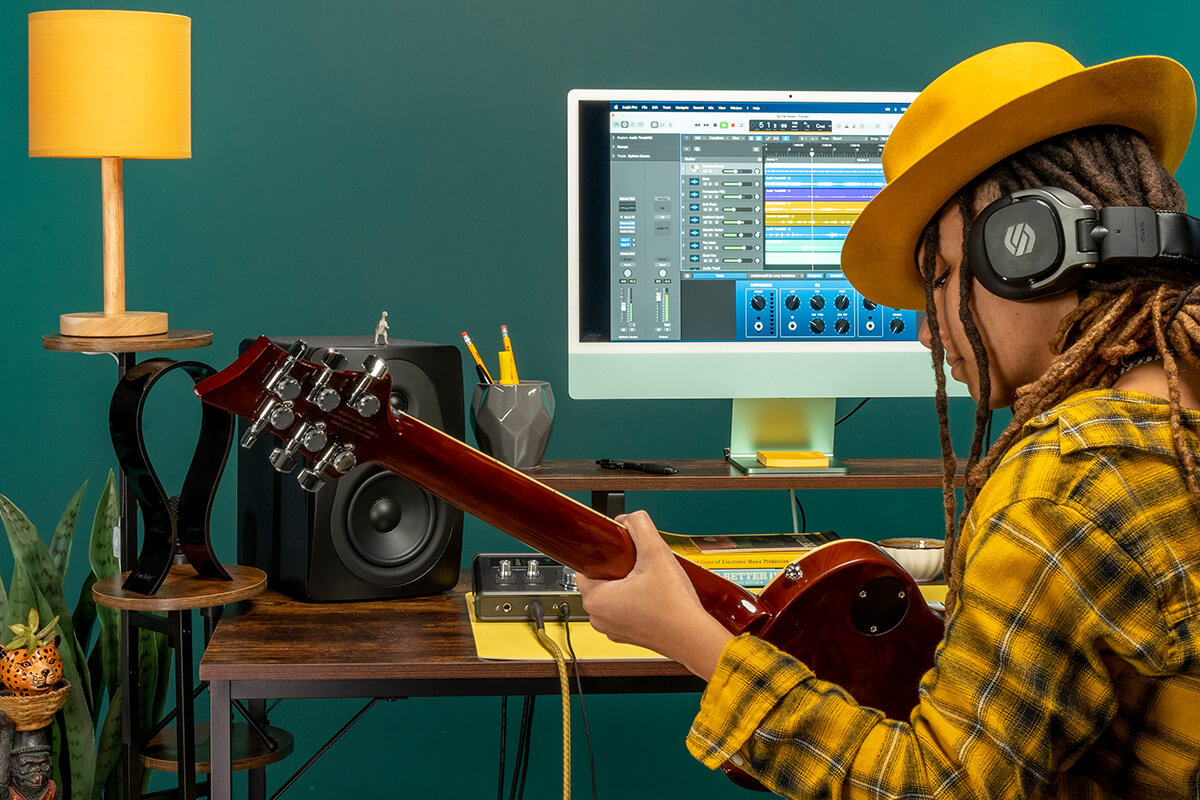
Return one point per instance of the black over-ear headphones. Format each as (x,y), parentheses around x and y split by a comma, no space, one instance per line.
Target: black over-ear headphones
(1038,242)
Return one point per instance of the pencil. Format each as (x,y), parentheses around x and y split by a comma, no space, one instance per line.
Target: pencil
(480,367)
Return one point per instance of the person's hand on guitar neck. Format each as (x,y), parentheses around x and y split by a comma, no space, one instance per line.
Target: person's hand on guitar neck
(655,605)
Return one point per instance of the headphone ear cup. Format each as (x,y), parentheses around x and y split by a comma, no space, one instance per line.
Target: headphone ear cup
(1016,243)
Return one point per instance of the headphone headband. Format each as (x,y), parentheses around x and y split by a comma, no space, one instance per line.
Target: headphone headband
(1037,242)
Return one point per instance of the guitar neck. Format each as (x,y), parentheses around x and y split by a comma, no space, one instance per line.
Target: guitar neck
(551,522)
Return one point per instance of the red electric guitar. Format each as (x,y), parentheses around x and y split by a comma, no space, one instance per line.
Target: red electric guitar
(846,609)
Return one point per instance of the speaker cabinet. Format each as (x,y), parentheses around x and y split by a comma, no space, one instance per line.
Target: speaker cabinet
(370,534)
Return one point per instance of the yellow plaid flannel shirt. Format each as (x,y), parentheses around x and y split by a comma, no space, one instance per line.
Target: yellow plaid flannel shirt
(1070,667)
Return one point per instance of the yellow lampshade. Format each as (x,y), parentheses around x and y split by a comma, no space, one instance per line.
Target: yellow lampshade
(110,83)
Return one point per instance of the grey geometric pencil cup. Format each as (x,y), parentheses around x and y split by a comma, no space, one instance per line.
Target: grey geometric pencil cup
(512,422)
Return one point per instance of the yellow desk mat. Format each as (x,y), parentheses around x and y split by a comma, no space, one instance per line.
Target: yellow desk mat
(507,641)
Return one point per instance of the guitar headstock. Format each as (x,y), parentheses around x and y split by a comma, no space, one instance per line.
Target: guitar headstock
(319,411)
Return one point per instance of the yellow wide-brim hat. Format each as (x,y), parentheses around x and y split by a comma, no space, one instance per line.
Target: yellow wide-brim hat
(985,109)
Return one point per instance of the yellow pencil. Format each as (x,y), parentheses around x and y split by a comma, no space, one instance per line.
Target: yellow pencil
(510,359)
(480,367)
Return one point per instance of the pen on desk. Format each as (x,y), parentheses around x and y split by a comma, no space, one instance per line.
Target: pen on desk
(480,368)
(649,467)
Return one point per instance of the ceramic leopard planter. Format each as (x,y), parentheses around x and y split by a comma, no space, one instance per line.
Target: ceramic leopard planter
(31,664)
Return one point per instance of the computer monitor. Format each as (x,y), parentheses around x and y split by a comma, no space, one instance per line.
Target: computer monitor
(704,245)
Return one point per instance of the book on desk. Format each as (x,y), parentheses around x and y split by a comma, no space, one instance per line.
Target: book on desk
(750,560)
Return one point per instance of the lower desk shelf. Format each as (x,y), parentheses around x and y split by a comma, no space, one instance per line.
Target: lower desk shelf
(249,749)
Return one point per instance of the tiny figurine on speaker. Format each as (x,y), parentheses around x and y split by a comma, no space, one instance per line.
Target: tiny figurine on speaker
(381,329)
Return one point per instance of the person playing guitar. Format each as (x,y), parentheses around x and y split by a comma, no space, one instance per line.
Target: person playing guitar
(1070,664)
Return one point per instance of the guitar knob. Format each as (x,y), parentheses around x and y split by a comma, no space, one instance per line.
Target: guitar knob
(314,438)
(309,480)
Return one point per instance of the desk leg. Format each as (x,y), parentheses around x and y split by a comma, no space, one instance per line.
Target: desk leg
(610,504)
(185,717)
(221,757)
(257,778)
(131,674)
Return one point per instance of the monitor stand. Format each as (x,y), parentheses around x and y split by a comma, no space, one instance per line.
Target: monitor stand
(782,424)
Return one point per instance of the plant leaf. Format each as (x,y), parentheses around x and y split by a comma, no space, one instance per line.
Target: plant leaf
(104,565)
(64,533)
(108,746)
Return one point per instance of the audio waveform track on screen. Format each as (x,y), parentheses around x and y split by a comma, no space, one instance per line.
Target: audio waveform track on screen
(813,192)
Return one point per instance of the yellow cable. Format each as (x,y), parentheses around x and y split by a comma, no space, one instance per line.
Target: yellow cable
(549,644)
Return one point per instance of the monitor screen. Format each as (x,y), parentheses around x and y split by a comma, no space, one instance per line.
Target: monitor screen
(704,235)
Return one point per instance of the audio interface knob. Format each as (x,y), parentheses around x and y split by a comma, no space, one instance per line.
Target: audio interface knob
(817,302)
(817,326)
(792,302)
(897,325)
(758,302)
(842,326)
(841,302)
(869,305)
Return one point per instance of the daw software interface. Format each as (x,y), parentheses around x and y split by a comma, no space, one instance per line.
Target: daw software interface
(724,219)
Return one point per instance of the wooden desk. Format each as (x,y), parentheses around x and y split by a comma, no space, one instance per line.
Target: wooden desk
(419,647)
(423,647)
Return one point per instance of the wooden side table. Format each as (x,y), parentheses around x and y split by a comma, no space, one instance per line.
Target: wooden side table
(182,748)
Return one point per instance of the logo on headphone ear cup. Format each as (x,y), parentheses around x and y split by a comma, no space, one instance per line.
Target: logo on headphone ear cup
(1019,239)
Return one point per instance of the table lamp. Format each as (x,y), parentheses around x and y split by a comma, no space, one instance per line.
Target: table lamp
(110,85)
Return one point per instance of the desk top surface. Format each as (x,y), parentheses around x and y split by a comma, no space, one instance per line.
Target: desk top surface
(715,474)
(274,637)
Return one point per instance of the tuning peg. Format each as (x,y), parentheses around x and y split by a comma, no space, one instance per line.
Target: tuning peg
(283,458)
(280,383)
(311,437)
(277,415)
(362,401)
(340,458)
(310,480)
(334,360)
(321,395)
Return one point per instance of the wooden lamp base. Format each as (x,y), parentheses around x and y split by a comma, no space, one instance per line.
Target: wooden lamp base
(99,324)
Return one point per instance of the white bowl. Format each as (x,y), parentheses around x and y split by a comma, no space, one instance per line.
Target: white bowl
(921,558)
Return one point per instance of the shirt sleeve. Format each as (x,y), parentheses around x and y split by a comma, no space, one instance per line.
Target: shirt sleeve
(1019,688)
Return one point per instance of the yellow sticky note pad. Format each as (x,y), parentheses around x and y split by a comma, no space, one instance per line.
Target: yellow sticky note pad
(792,458)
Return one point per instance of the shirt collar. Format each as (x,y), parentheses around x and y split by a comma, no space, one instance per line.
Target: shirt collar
(1113,418)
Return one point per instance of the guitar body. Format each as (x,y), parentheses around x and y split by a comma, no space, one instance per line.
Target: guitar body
(846,609)
(856,619)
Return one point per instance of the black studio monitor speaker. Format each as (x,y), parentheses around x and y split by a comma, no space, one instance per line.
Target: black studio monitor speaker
(371,534)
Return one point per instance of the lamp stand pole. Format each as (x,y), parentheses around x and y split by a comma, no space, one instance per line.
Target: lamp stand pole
(114,320)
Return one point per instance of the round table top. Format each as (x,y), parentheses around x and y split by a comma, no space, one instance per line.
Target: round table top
(183,589)
(171,340)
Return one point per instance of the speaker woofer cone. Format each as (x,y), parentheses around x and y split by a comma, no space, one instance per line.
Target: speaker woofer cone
(389,520)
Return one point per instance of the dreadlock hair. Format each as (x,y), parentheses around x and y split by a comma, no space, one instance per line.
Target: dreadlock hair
(1151,310)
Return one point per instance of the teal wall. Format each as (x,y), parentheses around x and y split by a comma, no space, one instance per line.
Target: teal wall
(352,157)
